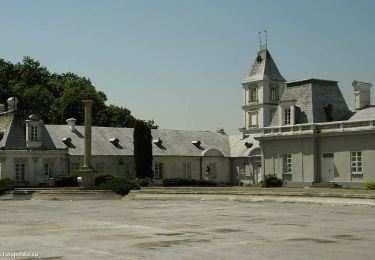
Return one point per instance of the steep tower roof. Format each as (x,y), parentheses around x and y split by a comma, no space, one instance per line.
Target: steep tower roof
(264,68)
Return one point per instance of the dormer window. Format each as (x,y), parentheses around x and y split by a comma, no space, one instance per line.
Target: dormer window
(287,116)
(34,133)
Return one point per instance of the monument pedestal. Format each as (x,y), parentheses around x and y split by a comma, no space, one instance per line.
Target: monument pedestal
(88,178)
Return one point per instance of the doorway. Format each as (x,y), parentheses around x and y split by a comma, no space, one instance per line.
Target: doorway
(328,168)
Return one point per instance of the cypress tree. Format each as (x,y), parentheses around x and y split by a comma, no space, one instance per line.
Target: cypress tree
(142,140)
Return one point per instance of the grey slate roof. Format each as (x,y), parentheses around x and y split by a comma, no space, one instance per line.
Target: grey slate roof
(174,142)
(52,139)
(238,147)
(312,96)
(367,113)
(264,68)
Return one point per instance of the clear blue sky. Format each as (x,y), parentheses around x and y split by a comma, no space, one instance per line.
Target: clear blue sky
(182,62)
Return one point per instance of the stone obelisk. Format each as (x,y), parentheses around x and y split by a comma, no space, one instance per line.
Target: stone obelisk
(87,172)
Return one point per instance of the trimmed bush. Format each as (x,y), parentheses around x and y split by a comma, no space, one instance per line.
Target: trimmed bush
(173,182)
(5,185)
(370,185)
(67,180)
(271,180)
(119,185)
(103,178)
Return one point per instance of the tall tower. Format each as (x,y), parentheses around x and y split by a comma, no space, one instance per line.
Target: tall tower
(263,87)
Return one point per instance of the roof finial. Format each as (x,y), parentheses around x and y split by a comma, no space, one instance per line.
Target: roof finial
(265,31)
(260,40)
(262,46)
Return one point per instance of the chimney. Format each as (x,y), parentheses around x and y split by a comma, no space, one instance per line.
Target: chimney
(362,94)
(12,103)
(2,108)
(71,123)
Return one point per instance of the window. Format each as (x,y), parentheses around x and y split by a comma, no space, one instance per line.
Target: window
(212,166)
(242,168)
(253,118)
(287,116)
(74,166)
(19,172)
(158,170)
(33,133)
(127,170)
(272,113)
(287,163)
(253,94)
(48,170)
(187,170)
(99,166)
(273,94)
(356,162)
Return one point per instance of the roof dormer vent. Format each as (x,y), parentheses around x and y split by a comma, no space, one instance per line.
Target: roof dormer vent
(197,143)
(114,141)
(248,145)
(67,141)
(158,142)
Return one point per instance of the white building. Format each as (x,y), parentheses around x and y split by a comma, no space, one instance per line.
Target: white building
(303,131)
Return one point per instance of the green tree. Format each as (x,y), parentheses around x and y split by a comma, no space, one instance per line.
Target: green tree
(58,97)
(142,150)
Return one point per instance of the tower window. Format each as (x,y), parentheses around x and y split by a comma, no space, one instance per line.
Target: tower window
(253,94)
(253,118)
(273,94)
(34,133)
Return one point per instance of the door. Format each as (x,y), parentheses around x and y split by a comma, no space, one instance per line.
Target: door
(328,168)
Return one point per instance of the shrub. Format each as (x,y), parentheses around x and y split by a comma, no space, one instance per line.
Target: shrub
(370,185)
(119,185)
(173,182)
(103,178)
(67,180)
(271,180)
(5,185)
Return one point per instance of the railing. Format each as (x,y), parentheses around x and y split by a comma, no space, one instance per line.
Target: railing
(339,126)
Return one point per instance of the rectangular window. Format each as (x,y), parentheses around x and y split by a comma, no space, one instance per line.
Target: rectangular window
(253,94)
(242,168)
(272,113)
(158,170)
(287,163)
(187,170)
(127,170)
(213,171)
(273,94)
(19,172)
(287,116)
(74,166)
(356,162)
(34,133)
(99,166)
(253,118)
(48,170)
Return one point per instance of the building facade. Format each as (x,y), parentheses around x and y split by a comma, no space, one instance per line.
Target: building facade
(303,131)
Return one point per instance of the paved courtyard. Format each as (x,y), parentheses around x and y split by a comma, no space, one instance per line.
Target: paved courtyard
(127,229)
